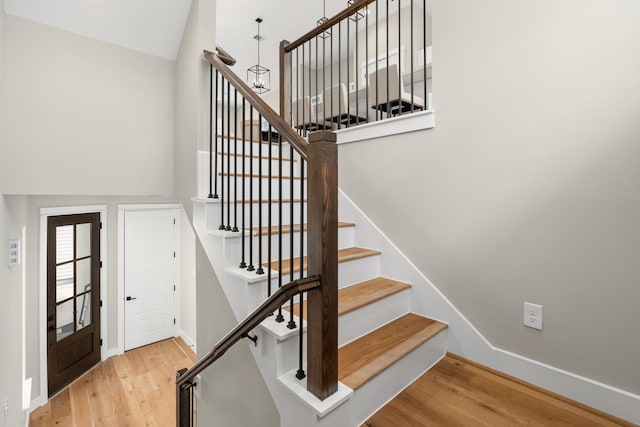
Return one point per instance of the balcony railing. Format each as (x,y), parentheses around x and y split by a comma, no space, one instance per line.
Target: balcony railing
(370,62)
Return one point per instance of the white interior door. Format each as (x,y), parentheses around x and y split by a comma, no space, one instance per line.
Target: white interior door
(149,276)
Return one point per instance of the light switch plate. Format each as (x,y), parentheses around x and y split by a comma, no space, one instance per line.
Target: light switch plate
(14,252)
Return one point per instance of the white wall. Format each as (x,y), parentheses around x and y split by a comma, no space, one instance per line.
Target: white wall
(11,313)
(527,188)
(188,295)
(83,116)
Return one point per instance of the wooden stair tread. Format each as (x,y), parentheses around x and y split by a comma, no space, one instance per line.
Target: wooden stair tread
(263,231)
(360,295)
(361,360)
(255,175)
(344,255)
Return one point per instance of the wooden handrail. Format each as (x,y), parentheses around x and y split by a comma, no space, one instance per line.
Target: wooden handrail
(330,23)
(279,124)
(266,309)
(225,57)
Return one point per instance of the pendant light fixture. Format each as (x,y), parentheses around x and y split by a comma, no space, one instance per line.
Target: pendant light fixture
(324,34)
(358,15)
(259,77)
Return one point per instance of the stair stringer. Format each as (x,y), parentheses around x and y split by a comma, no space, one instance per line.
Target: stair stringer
(465,340)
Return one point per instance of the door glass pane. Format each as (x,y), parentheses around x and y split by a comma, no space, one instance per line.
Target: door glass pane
(84,310)
(64,281)
(64,243)
(83,275)
(83,240)
(64,319)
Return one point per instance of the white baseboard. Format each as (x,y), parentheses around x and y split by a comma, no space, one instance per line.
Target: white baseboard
(187,339)
(466,341)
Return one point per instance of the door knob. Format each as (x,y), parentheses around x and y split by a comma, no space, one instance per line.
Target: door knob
(131,298)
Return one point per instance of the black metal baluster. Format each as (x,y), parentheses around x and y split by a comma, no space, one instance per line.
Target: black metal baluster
(260,270)
(279,316)
(210,196)
(292,323)
(304,104)
(317,94)
(250,267)
(377,68)
(355,66)
(339,75)
(300,100)
(424,49)
(324,79)
(366,60)
(348,112)
(215,138)
(228,227)
(331,73)
(221,175)
(412,55)
(243,264)
(300,374)
(387,70)
(269,256)
(312,127)
(235,162)
(400,106)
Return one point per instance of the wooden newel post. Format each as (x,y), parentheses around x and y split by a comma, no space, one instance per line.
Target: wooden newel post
(322,259)
(285,79)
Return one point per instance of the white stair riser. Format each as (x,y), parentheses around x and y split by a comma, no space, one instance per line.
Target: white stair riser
(233,248)
(360,322)
(231,188)
(381,389)
(357,271)
(288,351)
(214,214)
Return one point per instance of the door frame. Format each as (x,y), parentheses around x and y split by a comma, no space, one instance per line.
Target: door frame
(45,213)
(176,271)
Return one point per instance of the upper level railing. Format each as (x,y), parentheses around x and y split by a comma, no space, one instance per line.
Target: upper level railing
(279,194)
(370,62)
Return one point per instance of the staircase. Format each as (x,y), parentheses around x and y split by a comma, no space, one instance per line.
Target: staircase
(383,344)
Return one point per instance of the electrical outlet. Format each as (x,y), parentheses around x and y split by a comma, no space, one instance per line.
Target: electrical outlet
(533,315)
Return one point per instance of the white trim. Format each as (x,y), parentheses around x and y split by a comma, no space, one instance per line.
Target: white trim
(468,342)
(70,210)
(149,207)
(393,126)
(120,295)
(188,340)
(44,214)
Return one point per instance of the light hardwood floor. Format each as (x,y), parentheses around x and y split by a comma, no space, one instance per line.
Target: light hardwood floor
(457,392)
(133,389)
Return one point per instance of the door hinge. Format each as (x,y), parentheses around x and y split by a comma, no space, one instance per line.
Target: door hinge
(101,226)
(101,341)
(174,221)
(174,320)
(100,303)
(100,264)
(174,254)
(174,288)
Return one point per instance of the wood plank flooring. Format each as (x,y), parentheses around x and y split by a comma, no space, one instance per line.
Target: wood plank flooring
(133,389)
(457,392)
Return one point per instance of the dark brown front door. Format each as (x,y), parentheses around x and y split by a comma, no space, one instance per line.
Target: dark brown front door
(73,297)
